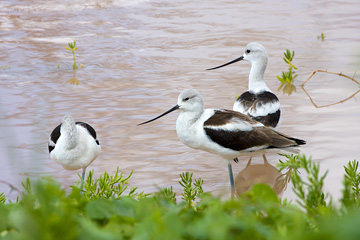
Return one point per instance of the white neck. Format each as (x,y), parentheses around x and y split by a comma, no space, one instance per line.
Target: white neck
(186,128)
(188,118)
(256,77)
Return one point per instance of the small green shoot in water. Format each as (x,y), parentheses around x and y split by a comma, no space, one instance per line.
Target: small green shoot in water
(288,77)
(5,67)
(72,47)
(321,37)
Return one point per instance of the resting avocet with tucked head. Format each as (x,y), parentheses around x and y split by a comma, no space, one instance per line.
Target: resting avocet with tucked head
(74,145)
(258,101)
(224,132)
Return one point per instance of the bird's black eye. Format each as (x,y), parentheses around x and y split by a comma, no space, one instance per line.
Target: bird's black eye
(185,99)
(248,51)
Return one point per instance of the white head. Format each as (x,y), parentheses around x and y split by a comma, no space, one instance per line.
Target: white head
(255,53)
(189,100)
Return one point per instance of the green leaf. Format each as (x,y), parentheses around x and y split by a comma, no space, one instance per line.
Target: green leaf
(101,209)
(105,209)
(263,193)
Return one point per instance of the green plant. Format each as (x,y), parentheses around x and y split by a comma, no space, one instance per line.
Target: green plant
(107,186)
(167,194)
(321,36)
(2,197)
(351,192)
(191,190)
(310,193)
(72,47)
(47,211)
(289,76)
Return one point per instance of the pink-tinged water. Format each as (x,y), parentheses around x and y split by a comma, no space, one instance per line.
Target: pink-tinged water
(138,55)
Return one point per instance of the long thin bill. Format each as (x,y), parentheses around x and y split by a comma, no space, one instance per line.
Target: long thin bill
(233,61)
(167,112)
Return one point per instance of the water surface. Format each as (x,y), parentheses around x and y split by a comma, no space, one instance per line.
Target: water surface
(138,55)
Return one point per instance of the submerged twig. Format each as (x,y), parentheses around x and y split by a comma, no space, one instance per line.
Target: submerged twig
(332,104)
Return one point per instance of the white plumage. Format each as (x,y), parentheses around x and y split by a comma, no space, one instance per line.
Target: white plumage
(258,102)
(74,145)
(224,132)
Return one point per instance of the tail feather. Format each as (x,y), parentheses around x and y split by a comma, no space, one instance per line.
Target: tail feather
(287,141)
(298,141)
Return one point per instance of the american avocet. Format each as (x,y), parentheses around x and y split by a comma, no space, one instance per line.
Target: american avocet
(258,101)
(224,132)
(74,145)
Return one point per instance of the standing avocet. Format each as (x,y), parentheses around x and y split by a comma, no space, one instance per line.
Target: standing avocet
(224,132)
(258,102)
(74,145)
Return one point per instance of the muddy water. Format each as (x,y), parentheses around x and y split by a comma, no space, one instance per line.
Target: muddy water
(138,55)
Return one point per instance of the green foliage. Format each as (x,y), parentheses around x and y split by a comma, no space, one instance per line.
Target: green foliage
(310,193)
(2,198)
(289,57)
(351,192)
(166,194)
(191,191)
(289,76)
(103,210)
(107,186)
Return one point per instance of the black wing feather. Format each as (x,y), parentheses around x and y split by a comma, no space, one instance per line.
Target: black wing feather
(90,129)
(54,136)
(253,100)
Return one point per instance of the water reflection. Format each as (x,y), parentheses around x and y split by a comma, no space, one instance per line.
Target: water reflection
(261,173)
(73,80)
(287,88)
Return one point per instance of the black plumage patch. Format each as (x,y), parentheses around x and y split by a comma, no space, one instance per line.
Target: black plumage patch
(239,140)
(250,100)
(90,129)
(222,117)
(270,120)
(54,136)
